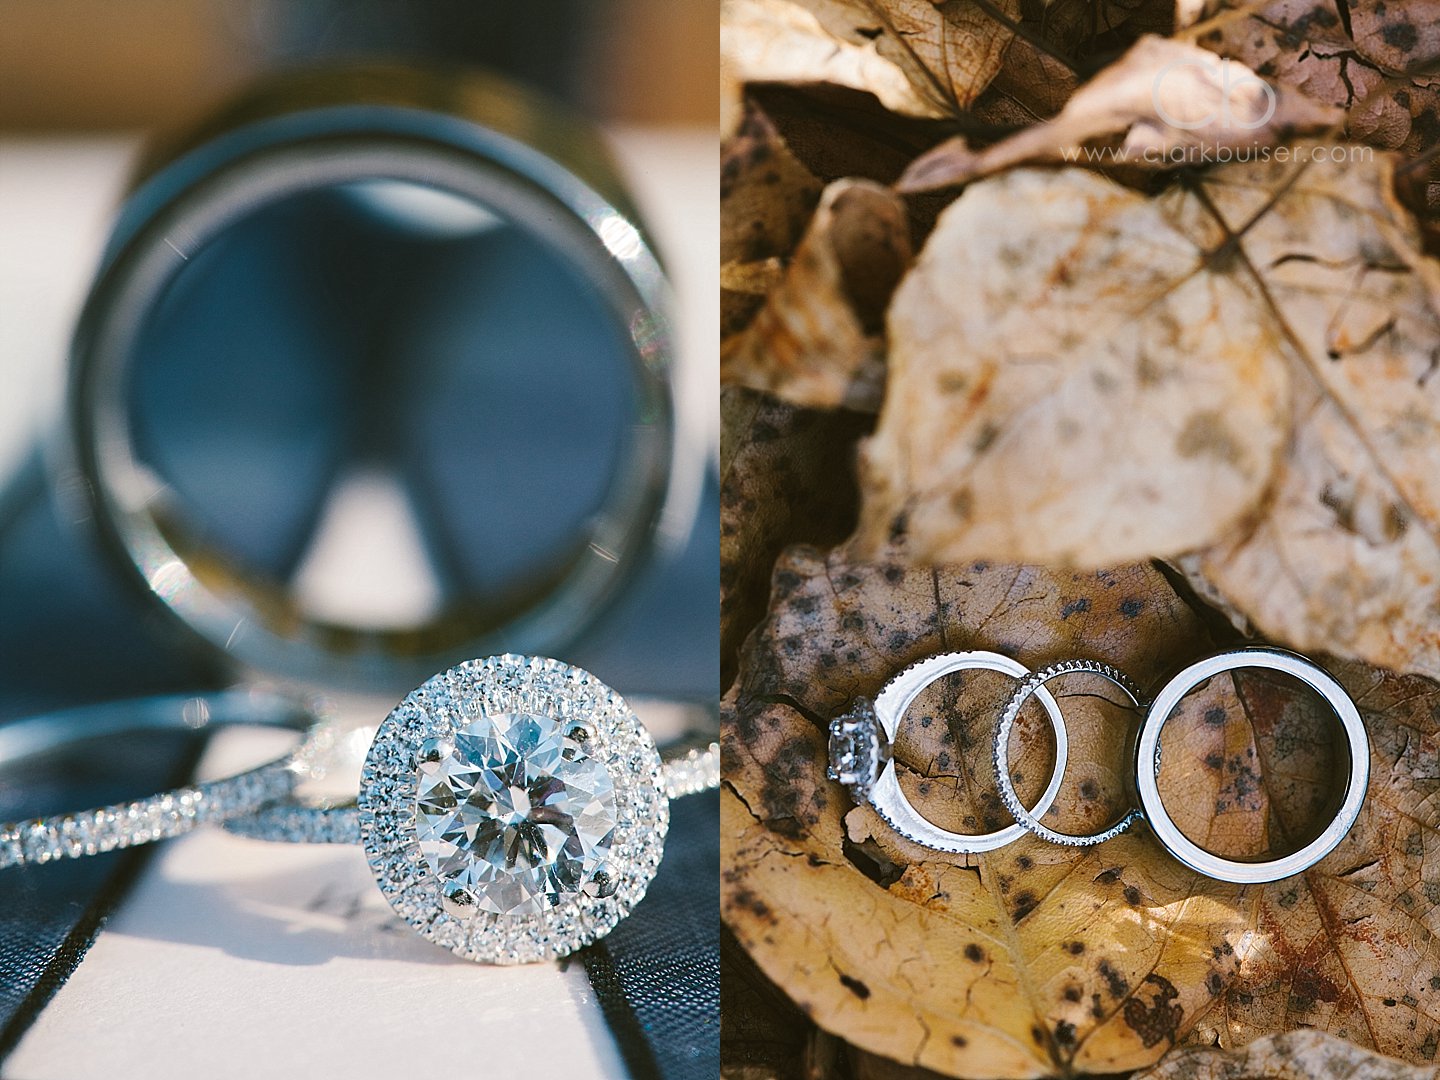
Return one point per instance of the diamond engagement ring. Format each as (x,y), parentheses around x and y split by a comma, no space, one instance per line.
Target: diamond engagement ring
(171,813)
(860,756)
(512,809)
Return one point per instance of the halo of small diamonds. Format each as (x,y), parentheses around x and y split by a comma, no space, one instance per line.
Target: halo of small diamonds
(447,703)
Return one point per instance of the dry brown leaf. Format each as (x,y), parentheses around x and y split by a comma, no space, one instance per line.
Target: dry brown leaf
(818,340)
(1345,557)
(1166,98)
(1072,380)
(1147,412)
(949,51)
(781,41)
(786,477)
(1296,1055)
(766,199)
(1044,961)
(1378,63)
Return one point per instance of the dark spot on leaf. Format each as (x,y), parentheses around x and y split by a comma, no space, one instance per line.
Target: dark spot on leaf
(1132,895)
(1025,903)
(858,988)
(1075,607)
(1132,607)
(1400,35)
(1074,948)
(1065,1033)
(1116,983)
(1215,716)
(974,953)
(1158,1020)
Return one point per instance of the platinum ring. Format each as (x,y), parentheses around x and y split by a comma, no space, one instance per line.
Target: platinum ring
(512,809)
(1147,754)
(1022,694)
(857,756)
(158,817)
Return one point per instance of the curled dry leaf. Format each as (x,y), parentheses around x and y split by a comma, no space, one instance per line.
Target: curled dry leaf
(782,41)
(1273,405)
(1072,379)
(818,339)
(766,199)
(785,477)
(949,52)
(1295,1055)
(1168,99)
(1035,960)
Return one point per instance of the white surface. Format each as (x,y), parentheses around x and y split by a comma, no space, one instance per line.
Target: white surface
(56,200)
(238,958)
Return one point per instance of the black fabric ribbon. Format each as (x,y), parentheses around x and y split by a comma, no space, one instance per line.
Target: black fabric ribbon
(657,974)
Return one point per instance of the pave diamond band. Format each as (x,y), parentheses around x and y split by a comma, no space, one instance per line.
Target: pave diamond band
(171,813)
(1001,750)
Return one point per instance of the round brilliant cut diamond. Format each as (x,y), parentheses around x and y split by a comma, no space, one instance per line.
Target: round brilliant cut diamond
(513,815)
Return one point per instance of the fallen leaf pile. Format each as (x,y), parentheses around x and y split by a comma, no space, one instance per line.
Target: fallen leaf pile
(1145,293)
(1038,960)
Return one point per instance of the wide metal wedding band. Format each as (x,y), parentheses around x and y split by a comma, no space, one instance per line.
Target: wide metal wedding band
(1147,766)
(157,817)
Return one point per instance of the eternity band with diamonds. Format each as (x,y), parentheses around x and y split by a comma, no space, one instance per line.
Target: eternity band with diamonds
(512,809)
(1001,751)
(171,813)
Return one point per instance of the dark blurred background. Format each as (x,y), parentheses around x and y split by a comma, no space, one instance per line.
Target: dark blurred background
(97,64)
